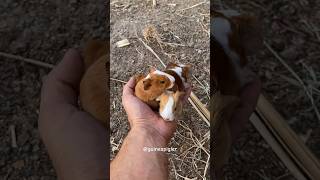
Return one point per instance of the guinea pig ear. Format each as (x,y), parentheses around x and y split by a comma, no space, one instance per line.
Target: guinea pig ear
(152,69)
(138,77)
(250,35)
(187,70)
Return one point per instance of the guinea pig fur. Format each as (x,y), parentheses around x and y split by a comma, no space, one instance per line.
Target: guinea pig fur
(93,86)
(234,37)
(181,73)
(170,105)
(152,86)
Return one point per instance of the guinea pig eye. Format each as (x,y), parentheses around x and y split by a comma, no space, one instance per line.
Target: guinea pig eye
(162,82)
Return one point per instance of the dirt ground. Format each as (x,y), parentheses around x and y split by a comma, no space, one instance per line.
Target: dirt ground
(41,30)
(292,30)
(186,40)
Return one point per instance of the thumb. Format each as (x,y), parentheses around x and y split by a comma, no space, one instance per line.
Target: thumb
(62,83)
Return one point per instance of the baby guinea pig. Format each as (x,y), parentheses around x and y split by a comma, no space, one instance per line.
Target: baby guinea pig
(170,104)
(152,86)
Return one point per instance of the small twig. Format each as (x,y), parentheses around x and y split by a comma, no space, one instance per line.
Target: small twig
(193,6)
(202,85)
(152,51)
(118,80)
(174,168)
(207,166)
(154,3)
(31,61)
(174,44)
(296,76)
(13,136)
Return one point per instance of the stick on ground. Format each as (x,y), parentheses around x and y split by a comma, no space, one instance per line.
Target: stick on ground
(31,61)
(13,136)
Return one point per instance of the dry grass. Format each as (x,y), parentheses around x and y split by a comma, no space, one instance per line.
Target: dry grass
(288,67)
(191,160)
(193,153)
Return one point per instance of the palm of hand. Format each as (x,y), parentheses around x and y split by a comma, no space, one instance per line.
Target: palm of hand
(142,116)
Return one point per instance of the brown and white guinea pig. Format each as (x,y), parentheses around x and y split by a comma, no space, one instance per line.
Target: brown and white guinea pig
(149,87)
(170,104)
(94,83)
(170,100)
(234,37)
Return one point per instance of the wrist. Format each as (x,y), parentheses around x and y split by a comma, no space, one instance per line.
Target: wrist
(133,162)
(149,135)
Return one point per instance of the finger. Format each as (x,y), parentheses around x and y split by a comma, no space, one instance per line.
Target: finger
(128,89)
(250,93)
(249,96)
(70,69)
(239,121)
(62,84)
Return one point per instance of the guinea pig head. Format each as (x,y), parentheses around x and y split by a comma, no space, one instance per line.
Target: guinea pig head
(235,36)
(170,104)
(239,35)
(157,81)
(183,70)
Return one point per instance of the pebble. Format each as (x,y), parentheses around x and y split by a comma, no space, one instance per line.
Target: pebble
(35,148)
(290,53)
(26,148)
(2,162)
(18,164)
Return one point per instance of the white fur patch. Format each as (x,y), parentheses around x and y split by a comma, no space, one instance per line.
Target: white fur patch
(229,13)
(178,70)
(221,30)
(171,78)
(167,113)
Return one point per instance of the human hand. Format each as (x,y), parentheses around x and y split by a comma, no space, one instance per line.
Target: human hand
(141,116)
(248,101)
(76,142)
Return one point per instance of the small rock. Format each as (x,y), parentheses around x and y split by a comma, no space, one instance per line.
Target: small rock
(23,138)
(2,162)
(290,53)
(26,148)
(73,1)
(268,75)
(18,164)
(278,44)
(34,157)
(47,178)
(34,178)
(35,148)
